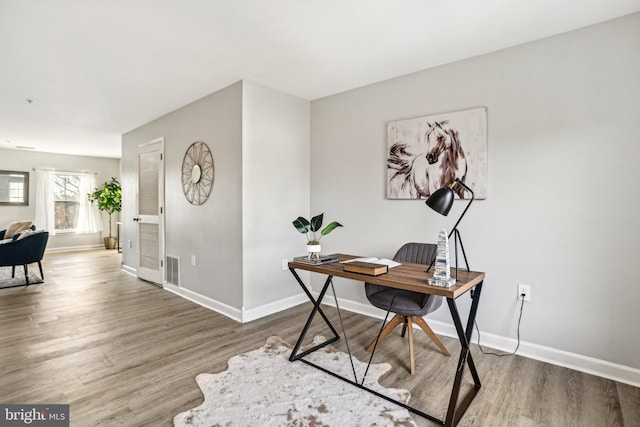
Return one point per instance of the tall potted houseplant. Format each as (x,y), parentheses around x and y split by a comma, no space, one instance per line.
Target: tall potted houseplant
(109,199)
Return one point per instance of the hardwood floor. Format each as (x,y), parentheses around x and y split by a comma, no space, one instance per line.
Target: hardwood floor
(125,352)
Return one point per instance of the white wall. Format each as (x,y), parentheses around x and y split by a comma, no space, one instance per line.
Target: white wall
(26,161)
(561,212)
(212,232)
(275,191)
(259,139)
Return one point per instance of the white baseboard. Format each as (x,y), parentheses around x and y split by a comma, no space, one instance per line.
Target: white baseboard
(129,270)
(75,248)
(274,307)
(243,315)
(240,315)
(578,362)
(217,306)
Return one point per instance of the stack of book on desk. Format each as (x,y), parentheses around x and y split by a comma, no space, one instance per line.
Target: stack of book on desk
(324,259)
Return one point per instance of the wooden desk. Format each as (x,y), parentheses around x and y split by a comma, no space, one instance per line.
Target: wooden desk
(410,277)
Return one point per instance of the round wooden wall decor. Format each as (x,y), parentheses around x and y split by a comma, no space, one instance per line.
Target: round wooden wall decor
(197,173)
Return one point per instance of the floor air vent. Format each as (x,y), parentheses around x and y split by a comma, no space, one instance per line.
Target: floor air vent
(173,270)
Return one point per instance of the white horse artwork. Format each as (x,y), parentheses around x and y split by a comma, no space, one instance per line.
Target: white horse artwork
(425,155)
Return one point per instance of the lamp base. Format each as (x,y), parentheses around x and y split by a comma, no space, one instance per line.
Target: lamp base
(442,283)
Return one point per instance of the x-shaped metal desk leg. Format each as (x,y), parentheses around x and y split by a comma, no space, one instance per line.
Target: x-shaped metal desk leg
(316,309)
(455,413)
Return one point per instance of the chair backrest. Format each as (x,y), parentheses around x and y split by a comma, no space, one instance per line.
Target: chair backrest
(417,253)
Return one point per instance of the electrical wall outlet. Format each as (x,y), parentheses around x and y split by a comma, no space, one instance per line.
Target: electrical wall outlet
(285,264)
(524,292)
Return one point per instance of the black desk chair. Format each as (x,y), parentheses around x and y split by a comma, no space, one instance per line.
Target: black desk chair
(408,306)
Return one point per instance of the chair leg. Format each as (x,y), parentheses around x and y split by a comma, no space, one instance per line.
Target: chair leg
(41,273)
(404,327)
(13,271)
(26,274)
(427,330)
(395,321)
(413,360)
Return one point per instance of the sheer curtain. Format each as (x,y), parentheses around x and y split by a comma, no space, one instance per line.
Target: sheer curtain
(45,210)
(89,220)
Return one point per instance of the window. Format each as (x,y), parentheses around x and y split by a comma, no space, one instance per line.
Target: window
(14,188)
(66,201)
(62,205)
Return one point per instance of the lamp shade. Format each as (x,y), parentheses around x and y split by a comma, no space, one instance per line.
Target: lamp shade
(441,201)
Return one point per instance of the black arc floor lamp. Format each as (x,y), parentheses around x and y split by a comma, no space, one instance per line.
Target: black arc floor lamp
(441,201)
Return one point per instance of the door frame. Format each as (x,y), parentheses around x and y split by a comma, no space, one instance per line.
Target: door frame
(161,201)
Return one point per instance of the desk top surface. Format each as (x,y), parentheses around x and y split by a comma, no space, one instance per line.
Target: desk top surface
(408,276)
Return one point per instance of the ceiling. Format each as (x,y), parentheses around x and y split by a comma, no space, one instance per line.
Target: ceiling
(76,74)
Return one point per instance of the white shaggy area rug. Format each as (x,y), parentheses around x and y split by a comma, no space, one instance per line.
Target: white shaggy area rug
(262,388)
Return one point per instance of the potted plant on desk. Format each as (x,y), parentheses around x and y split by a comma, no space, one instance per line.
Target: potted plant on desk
(310,228)
(109,199)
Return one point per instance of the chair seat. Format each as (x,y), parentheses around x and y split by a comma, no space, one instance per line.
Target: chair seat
(406,303)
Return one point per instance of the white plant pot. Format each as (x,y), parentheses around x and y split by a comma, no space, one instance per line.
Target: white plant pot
(313,251)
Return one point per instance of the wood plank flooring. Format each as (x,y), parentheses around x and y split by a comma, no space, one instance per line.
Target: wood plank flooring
(125,352)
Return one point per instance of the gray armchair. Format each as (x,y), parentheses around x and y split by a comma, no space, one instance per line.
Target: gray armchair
(409,307)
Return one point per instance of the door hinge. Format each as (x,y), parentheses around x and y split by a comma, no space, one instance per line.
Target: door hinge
(160,156)
(160,209)
(161,263)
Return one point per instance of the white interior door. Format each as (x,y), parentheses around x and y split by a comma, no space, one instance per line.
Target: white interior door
(150,216)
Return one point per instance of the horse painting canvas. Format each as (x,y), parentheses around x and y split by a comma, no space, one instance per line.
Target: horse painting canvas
(431,152)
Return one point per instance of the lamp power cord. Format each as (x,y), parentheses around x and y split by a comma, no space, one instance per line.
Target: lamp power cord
(518,332)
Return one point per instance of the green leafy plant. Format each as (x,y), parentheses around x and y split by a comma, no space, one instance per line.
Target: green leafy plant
(310,228)
(108,198)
